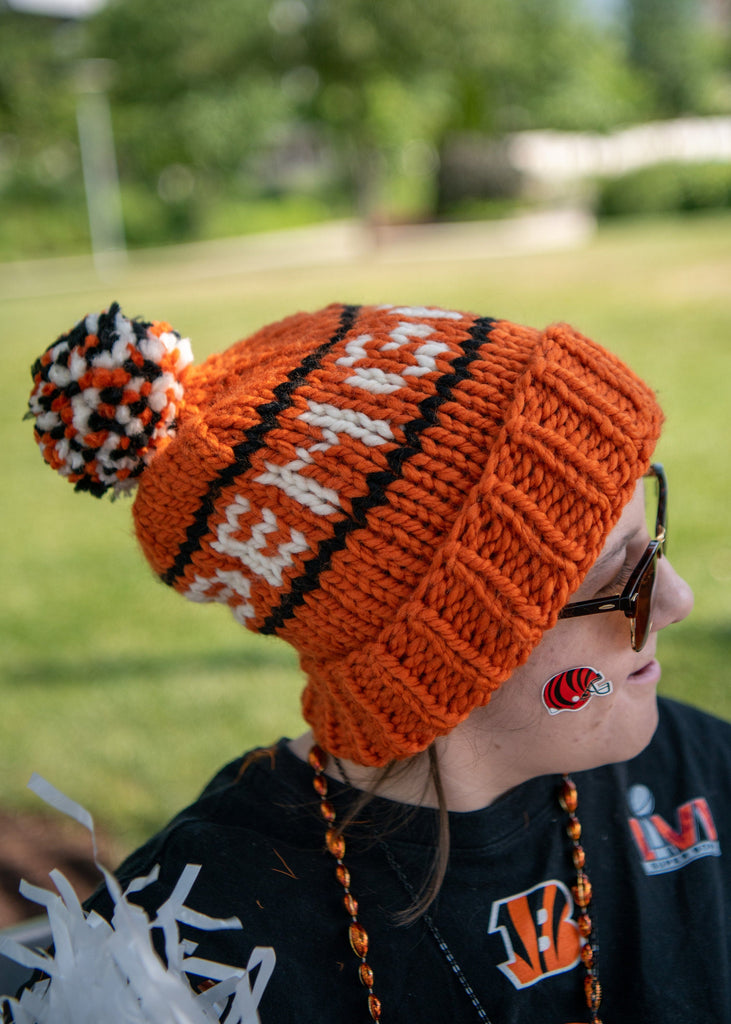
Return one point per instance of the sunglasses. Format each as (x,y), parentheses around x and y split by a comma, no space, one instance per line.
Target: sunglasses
(636,598)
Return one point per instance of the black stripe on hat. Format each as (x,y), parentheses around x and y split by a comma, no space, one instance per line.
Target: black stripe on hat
(378,481)
(253,439)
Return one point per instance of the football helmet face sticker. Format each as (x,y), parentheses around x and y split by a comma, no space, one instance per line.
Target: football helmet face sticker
(573,688)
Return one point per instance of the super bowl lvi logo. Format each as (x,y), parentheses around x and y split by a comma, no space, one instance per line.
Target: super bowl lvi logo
(573,688)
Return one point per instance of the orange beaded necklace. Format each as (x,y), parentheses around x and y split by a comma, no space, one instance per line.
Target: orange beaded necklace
(336,845)
(582,892)
(358,937)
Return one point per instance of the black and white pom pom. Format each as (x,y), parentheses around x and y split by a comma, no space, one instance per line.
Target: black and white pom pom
(105,396)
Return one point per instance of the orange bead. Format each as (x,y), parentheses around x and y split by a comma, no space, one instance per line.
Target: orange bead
(358,939)
(587,955)
(579,857)
(374,1007)
(365,973)
(593,993)
(582,890)
(320,784)
(335,843)
(343,875)
(351,905)
(317,759)
(568,797)
(584,923)
(573,828)
(327,811)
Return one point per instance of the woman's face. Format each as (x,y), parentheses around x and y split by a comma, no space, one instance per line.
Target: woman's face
(612,726)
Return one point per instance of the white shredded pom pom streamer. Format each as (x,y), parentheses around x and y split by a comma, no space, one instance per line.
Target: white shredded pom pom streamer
(111,972)
(106,396)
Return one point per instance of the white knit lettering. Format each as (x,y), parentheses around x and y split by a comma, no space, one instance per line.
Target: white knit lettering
(425,356)
(375,380)
(424,311)
(382,382)
(300,488)
(251,552)
(333,421)
(355,349)
(221,588)
(405,331)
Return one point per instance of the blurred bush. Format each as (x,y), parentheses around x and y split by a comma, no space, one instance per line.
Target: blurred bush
(666,188)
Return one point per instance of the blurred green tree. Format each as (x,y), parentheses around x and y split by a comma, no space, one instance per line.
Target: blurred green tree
(383,83)
(383,76)
(668,43)
(37,108)
(189,86)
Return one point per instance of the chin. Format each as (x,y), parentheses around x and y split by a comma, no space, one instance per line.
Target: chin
(620,734)
(631,731)
(643,730)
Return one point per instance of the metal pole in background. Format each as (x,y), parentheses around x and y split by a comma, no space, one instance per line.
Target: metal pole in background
(99,163)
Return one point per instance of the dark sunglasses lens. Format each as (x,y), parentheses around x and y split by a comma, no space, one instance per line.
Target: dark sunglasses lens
(643,606)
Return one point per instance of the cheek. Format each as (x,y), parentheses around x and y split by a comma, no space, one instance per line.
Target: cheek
(569,699)
(587,650)
(571,690)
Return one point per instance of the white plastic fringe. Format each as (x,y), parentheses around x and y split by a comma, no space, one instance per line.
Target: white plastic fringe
(111,972)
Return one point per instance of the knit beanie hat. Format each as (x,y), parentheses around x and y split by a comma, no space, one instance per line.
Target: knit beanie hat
(407,495)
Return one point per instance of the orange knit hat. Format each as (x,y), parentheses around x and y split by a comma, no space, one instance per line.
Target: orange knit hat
(407,495)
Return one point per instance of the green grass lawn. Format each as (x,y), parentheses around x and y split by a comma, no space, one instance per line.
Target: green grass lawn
(126,696)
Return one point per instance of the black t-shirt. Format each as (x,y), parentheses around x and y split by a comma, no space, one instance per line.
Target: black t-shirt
(657,834)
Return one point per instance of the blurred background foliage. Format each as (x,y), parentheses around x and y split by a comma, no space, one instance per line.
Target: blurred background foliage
(238,115)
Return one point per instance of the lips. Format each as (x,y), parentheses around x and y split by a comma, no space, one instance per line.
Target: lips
(649,673)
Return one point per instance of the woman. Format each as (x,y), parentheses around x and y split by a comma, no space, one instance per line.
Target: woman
(445,515)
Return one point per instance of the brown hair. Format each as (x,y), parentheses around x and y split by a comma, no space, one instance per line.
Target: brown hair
(422,899)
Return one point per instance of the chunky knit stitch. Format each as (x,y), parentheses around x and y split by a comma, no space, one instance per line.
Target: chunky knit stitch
(407,495)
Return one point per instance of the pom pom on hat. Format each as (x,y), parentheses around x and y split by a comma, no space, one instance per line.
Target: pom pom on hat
(106,397)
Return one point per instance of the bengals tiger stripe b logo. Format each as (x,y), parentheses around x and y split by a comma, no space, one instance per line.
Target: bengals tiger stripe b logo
(573,688)
(539,934)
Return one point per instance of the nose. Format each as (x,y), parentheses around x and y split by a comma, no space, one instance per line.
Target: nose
(673,598)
